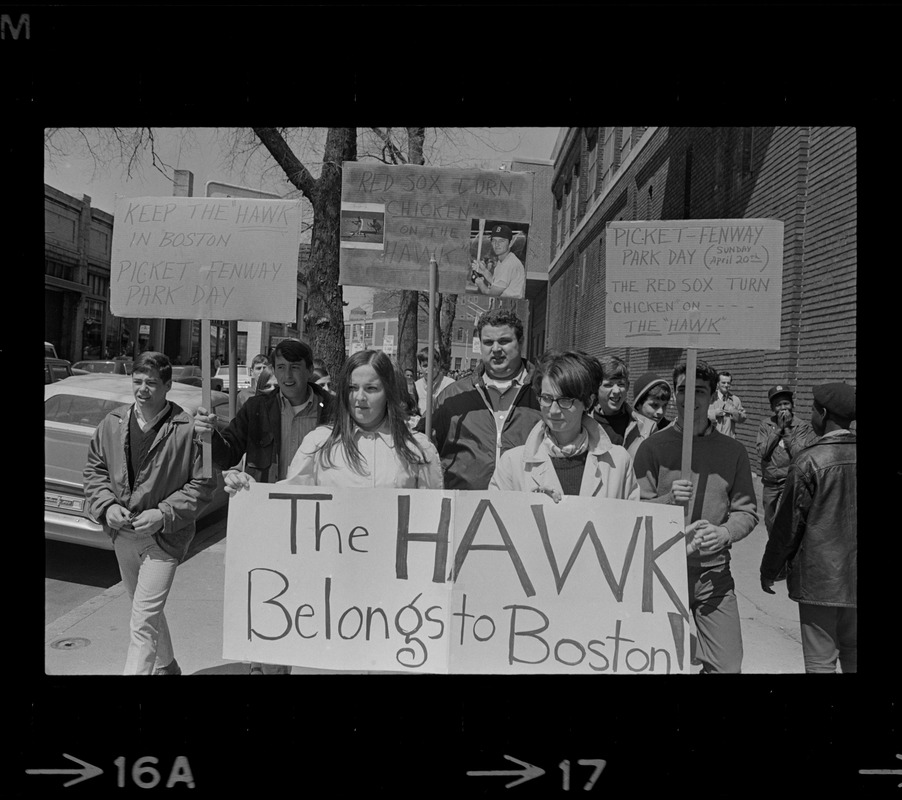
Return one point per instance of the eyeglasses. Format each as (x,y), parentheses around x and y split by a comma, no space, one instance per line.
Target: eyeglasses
(546,400)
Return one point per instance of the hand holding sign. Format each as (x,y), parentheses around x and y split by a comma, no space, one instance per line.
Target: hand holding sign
(681,491)
(236,480)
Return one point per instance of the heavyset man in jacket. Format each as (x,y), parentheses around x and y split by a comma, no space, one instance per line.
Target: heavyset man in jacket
(815,534)
(494,409)
(143,482)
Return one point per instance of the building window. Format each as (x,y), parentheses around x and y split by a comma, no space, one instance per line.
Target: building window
(610,157)
(575,196)
(568,195)
(55,269)
(100,242)
(560,224)
(460,334)
(748,145)
(457,363)
(626,143)
(592,166)
(92,330)
(687,183)
(368,333)
(58,226)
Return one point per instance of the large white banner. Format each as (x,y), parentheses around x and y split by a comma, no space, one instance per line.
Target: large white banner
(205,258)
(454,582)
(702,283)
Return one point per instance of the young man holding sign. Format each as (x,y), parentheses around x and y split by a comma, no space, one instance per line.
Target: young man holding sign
(267,431)
(720,510)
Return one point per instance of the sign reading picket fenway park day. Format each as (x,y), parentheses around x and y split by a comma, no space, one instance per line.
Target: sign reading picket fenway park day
(703,283)
(205,258)
(395,218)
(454,582)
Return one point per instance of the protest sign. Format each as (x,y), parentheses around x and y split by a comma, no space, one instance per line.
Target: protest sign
(694,283)
(205,258)
(395,218)
(454,582)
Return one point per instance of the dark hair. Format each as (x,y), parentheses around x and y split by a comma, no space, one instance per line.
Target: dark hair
(423,356)
(660,391)
(318,363)
(703,371)
(260,358)
(343,423)
(263,380)
(723,373)
(152,360)
(577,374)
(293,350)
(498,317)
(613,367)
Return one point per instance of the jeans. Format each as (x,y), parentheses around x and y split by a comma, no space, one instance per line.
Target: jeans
(147,573)
(829,633)
(716,613)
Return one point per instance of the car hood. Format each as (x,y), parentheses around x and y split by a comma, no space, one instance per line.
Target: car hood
(65,454)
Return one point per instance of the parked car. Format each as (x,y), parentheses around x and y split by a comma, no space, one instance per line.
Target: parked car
(194,376)
(116,366)
(244,377)
(50,351)
(55,369)
(73,409)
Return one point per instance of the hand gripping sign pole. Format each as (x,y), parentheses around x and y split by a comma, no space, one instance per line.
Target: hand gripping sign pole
(688,422)
(433,270)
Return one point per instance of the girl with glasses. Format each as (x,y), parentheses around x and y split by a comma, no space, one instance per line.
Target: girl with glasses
(567,452)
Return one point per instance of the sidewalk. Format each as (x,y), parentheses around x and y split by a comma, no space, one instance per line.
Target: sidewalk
(92,639)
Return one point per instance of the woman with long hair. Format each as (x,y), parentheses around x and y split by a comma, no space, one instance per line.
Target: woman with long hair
(567,452)
(369,443)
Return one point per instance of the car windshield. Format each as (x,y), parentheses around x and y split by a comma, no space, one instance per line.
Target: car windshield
(97,366)
(77,410)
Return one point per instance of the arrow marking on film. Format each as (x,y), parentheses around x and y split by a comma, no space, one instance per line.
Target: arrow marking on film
(84,772)
(883,771)
(526,774)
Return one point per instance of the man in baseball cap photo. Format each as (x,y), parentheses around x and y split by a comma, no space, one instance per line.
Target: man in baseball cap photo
(815,534)
(509,277)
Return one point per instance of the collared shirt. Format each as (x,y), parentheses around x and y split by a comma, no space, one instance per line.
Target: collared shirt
(502,399)
(297,422)
(382,467)
(146,426)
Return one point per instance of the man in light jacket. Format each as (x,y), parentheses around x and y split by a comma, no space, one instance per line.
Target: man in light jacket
(143,481)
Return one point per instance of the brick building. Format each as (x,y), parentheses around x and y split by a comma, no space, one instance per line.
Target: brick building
(804,176)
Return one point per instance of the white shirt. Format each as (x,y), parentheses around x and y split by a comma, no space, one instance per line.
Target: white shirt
(382,466)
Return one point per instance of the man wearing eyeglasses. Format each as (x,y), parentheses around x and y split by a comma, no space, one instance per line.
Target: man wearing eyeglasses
(490,411)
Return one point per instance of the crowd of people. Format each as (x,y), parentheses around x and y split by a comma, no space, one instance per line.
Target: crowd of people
(561,426)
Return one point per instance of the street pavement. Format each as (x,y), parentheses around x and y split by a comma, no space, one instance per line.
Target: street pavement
(92,639)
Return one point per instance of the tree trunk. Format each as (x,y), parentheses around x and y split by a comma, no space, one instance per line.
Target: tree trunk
(324,193)
(325,297)
(408,309)
(449,311)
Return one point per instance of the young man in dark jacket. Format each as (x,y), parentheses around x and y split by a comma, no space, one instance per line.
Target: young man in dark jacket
(485,414)
(267,431)
(815,533)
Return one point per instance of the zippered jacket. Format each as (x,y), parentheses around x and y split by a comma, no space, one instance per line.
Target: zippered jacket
(465,432)
(169,478)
